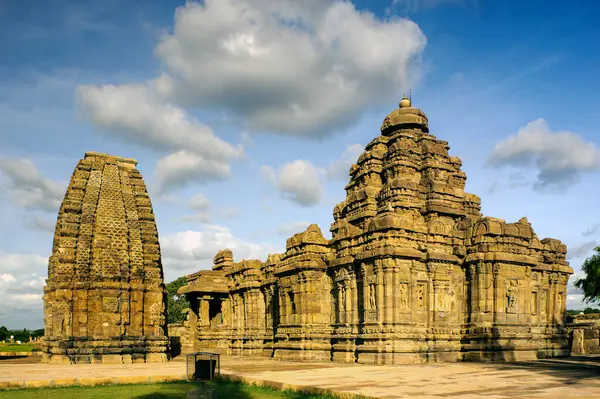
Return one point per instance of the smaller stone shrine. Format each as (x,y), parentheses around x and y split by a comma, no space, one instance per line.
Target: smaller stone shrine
(105,297)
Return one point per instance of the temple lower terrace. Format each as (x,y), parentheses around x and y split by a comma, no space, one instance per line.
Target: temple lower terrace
(105,296)
(414,273)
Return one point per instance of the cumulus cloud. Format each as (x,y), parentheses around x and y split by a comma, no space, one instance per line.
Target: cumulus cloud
(340,168)
(299,68)
(21,287)
(191,250)
(289,229)
(181,168)
(297,181)
(28,188)
(559,157)
(134,113)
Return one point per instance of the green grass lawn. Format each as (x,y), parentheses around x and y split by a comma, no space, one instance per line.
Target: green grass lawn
(224,390)
(18,348)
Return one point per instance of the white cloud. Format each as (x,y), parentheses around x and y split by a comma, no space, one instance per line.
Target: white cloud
(179,169)
(7,278)
(301,68)
(297,181)
(340,168)
(28,188)
(199,202)
(559,157)
(189,251)
(289,229)
(21,285)
(134,113)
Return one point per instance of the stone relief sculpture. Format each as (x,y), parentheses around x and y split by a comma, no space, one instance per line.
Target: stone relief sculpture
(403,294)
(512,292)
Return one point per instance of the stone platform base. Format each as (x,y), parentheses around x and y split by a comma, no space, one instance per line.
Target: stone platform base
(113,350)
(104,359)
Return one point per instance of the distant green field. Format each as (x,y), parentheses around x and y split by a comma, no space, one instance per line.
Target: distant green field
(224,389)
(18,348)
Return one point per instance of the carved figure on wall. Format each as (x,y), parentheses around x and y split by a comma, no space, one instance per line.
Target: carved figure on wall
(343,303)
(441,299)
(403,293)
(559,302)
(512,294)
(66,324)
(372,297)
(543,302)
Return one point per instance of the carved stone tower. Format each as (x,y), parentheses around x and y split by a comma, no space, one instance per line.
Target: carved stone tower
(105,295)
(413,273)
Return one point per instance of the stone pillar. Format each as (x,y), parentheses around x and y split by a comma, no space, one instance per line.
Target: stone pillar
(355,305)
(365,290)
(348,300)
(379,291)
(303,310)
(204,306)
(388,295)
(395,295)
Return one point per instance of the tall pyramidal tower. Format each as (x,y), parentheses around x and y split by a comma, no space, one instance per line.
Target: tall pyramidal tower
(105,295)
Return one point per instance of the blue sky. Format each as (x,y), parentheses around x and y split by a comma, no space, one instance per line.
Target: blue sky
(245,125)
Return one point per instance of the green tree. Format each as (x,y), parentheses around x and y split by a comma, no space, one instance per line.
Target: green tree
(176,303)
(4,333)
(590,311)
(37,333)
(590,284)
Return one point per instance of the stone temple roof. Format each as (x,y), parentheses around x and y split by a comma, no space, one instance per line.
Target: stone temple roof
(403,116)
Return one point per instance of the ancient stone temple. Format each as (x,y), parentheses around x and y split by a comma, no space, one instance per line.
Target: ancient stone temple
(414,272)
(105,295)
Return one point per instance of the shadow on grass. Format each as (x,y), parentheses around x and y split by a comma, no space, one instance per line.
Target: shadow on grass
(225,389)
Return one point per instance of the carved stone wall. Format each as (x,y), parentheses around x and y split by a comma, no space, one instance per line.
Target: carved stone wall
(105,296)
(584,334)
(414,272)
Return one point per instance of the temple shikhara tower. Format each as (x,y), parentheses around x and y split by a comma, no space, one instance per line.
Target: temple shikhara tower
(105,295)
(414,272)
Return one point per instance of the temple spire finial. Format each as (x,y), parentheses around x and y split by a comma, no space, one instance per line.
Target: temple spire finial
(406,100)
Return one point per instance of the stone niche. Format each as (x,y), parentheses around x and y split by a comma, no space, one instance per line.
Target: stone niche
(413,273)
(105,297)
